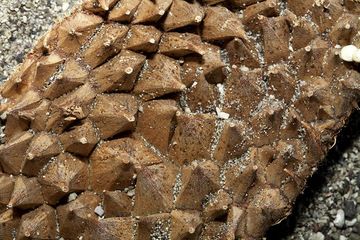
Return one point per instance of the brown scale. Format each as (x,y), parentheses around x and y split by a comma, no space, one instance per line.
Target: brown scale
(149,119)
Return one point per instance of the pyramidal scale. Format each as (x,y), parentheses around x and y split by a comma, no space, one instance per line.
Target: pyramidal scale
(174,119)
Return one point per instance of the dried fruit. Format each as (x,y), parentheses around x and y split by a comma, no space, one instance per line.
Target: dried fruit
(174,119)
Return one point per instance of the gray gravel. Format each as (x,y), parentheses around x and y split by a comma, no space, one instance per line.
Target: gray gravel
(332,191)
(21,24)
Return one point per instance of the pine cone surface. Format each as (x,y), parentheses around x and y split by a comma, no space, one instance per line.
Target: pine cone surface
(173,119)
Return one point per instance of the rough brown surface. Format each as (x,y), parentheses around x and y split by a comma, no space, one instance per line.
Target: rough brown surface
(209,116)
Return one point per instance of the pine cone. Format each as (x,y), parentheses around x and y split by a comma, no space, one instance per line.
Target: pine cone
(174,119)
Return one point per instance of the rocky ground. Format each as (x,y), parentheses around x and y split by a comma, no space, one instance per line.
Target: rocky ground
(330,206)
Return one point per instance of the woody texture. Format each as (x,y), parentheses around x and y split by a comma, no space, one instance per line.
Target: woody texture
(174,119)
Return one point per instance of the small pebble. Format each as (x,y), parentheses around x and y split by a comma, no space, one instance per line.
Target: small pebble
(72,197)
(334,236)
(354,236)
(356,228)
(65,6)
(317,236)
(345,187)
(2,78)
(342,237)
(222,115)
(340,218)
(358,180)
(356,56)
(350,209)
(131,193)
(350,223)
(347,53)
(19,57)
(99,211)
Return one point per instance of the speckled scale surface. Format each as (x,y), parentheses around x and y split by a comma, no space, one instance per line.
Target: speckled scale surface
(173,119)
